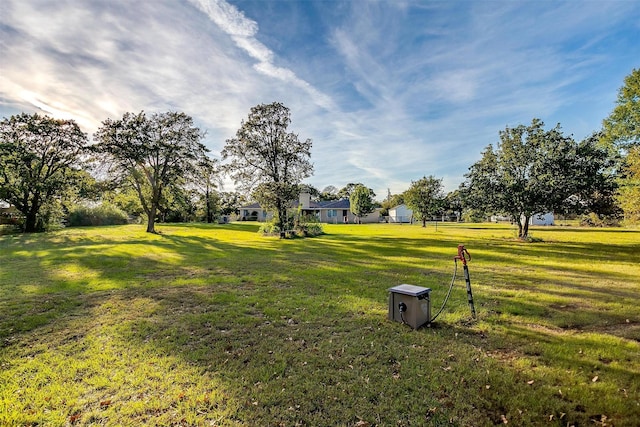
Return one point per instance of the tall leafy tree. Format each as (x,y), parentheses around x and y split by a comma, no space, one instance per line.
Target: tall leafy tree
(268,161)
(531,171)
(38,155)
(151,153)
(346,191)
(361,201)
(628,195)
(425,198)
(329,192)
(622,127)
(622,135)
(230,202)
(594,179)
(207,181)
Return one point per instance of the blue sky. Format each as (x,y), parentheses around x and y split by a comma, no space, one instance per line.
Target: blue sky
(389,91)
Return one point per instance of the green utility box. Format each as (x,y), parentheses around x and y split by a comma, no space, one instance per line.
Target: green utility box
(410,305)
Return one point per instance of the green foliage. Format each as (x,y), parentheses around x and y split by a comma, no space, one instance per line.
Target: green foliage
(230,202)
(592,219)
(473,215)
(103,214)
(270,228)
(329,193)
(268,161)
(628,196)
(346,191)
(307,226)
(390,202)
(38,155)
(126,199)
(425,198)
(361,201)
(296,225)
(151,154)
(622,127)
(535,171)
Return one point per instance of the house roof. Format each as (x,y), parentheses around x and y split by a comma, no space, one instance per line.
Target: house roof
(400,206)
(334,204)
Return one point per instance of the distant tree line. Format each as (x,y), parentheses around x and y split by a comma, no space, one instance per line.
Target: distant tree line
(154,166)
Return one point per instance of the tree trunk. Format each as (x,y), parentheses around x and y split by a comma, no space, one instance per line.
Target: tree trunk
(151,220)
(424,223)
(30,222)
(282,219)
(519,228)
(523,227)
(209,216)
(31,218)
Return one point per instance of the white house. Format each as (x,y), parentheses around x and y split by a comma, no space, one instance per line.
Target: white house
(400,214)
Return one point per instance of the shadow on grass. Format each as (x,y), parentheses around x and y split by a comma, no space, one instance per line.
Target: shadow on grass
(296,331)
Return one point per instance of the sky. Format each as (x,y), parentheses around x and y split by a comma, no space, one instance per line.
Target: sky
(388,91)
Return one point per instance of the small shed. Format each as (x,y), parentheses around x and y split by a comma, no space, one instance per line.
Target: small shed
(542,219)
(400,214)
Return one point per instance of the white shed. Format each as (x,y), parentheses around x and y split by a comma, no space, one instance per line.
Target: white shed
(542,219)
(400,213)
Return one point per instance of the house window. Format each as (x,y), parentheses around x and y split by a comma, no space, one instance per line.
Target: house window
(332,213)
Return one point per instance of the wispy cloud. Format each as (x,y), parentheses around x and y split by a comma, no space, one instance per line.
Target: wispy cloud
(243,31)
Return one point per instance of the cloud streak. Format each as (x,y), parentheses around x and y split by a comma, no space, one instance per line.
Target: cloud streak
(243,32)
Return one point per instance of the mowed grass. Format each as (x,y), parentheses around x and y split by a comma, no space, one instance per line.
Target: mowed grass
(215,325)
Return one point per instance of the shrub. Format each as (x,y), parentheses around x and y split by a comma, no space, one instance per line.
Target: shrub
(308,226)
(305,226)
(269,228)
(595,220)
(104,214)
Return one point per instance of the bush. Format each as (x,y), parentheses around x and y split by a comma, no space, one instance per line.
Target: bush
(269,228)
(595,220)
(104,214)
(306,226)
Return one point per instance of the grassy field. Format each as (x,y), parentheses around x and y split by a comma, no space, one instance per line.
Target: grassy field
(215,325)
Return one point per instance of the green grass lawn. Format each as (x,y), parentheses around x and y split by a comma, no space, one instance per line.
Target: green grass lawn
(215,325)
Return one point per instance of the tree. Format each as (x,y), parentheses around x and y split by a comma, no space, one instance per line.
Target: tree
(390,202)
(622,127)
(361,201)
(425,198)
(38,155)
(328,193)
(207,180)
(594,180)
(628,195)
(267,161)
(230,202)
(346,191)
(622,135)
(532,171)
(150,153)
(454,203)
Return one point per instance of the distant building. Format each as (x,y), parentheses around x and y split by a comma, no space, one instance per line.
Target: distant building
(542,219)
(400,214)
(329,212)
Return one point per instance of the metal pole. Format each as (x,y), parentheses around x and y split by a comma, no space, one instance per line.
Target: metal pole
(469,293)
(464,255)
